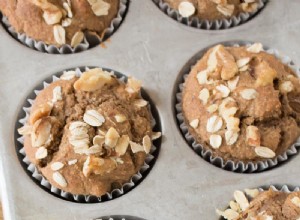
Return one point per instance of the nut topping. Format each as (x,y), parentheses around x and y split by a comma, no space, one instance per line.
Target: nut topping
(42,111)
(120,118)
(233,83)
(41,133)
(286,87)
(204,96)
(224,90)
(135,147)
(111,137)
(194,123)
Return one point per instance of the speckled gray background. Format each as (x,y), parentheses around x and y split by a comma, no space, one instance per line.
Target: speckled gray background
(152,47)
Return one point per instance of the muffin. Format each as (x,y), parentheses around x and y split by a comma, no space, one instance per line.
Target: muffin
(242,104)
(265,205)
(59,22)
(89,135)
(213,9)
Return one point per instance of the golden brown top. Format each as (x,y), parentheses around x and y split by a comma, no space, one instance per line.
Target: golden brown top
(59,22)
(242,103)
(90,134)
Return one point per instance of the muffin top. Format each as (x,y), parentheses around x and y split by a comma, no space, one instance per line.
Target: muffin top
(212,9)
(242,103)
(59,22)
(88,135)
(265,205)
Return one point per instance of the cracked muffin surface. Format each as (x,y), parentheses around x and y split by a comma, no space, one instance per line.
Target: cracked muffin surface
(212,9)
(242,103)
(59,22)
(89,135)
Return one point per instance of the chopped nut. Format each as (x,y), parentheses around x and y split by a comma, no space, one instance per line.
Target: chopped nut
(215,141)
(66,22)
(59,179)
(252,192)
(224,90)
(228,214)
(133,85)
(228,63)
(41,153)
(57,166)
(59,34)
(243,62)
(52,17)
(194,123)
(155,135)
(186,9)
(93,80)
(100,7)
(25,130)
(122,145)
(68,9)
(231,137)
(214,124)
(296,201)
(147,143)
(111,137)
(248,94)
(255,48)
(56,94)
(226,10)
(212,61)
(212,108)
(120,118)
(233,83)
(93,165)
(135,147)
(253,136)
(241,199)
(265,74)
(41,132)
(286,87)
(249,7)
(77,39)
(140,103)
(72,162)
(264,152)
(68,75)
(204,96)
(42,111)
(93,118)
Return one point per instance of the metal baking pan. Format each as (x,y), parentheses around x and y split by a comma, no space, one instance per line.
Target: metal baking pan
(153,48)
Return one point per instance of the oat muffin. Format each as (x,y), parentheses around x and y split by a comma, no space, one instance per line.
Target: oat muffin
(241,103)
(265,205)
(59,22)
(212,9)
(89,135)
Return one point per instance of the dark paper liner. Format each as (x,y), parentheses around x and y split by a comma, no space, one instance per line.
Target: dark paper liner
(42,182)
(204,152)
(206,24)
(119,217)
(90,40)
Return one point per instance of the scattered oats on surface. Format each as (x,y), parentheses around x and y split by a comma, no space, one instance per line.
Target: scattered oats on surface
(231,137)
(214,124)
(204,96)
(194,123)
(264,152)
(135,147)
(215,140)
(120,118)
(147,143)
(241,199)
(72,162)
(59,179)
(41,153)
(77,39)
(93,118)
(286,87)
(59,34)
(57,166)
(155,135)
(248,94)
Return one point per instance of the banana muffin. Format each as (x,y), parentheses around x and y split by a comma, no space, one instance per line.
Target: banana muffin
(265,205)
(212,9)
(242,103)
(59,22)
(89,135)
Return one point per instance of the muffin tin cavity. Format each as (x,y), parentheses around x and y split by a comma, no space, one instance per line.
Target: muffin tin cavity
(35,175)
(90,40)
(119,217)
(205,153)
(220,24)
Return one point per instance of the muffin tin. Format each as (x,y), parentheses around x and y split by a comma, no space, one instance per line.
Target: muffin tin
(153,48)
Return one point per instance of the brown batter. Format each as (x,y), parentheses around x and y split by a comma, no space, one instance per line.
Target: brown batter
(256,105)
(27,16)
(123,114)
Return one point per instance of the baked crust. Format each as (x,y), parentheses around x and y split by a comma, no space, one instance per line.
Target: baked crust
(272,117)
